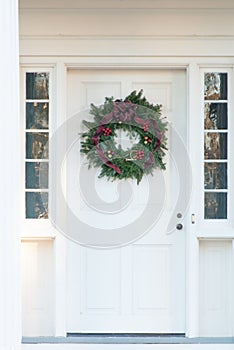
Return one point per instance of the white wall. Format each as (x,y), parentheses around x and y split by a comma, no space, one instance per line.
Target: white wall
(9,178)
(161,28)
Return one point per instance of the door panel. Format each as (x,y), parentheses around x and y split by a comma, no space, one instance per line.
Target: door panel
(101,273)
(216,288)
(37,288)
(151,289)
(140,287)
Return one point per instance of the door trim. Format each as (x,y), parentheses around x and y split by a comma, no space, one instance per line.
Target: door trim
(61,64)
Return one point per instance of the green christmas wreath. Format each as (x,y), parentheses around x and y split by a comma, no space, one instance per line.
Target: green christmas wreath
(143,123)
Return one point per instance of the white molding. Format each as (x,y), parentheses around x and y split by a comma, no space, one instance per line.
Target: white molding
(60,248)
(60,280)
(135,10)
(127,4)
(10,299)
(126,62)
(192,247)
(144,46)
(36,238)
(125,37)
(233,286)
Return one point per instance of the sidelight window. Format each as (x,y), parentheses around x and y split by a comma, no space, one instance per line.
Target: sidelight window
(215,145)
(37,116)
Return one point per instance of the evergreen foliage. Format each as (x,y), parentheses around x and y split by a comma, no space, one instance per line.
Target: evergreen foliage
(143,123)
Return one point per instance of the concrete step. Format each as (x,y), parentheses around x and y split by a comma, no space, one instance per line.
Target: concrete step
(127,346)
(125,342)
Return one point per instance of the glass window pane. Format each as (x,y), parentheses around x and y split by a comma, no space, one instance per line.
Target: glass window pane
(37,145)
(215,145)
(215,115)
(37,86)
(215,205)
(215,175)
(37,175)
(37,115)
(215,86)
(36,205)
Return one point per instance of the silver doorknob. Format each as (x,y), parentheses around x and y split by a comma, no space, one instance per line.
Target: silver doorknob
(179,226)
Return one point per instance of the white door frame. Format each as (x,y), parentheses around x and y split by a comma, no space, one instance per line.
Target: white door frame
(192,243)
(193,97)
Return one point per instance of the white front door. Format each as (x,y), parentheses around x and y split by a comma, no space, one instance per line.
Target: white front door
(139,288)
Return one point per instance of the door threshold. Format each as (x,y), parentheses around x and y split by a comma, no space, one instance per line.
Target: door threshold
(119,335)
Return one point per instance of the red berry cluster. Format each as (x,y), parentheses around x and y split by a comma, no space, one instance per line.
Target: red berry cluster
(145,127)
(140,154)
(107,131)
